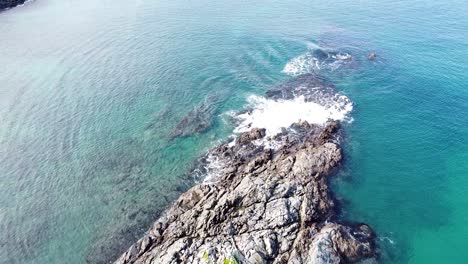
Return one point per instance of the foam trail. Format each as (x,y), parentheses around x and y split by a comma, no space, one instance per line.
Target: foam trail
(316,60)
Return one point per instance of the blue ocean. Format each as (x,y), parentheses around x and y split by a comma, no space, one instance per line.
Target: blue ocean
(97,100)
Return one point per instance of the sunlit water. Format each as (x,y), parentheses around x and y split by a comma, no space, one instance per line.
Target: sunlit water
(91,92)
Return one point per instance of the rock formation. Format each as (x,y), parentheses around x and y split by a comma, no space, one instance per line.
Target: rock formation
(268,201)
(266,206)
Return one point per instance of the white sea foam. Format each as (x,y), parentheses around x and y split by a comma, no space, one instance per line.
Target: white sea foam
(307,63)
(301,64)
(273,115)
(214,168)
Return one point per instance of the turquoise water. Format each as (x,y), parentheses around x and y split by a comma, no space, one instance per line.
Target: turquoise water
(91,91)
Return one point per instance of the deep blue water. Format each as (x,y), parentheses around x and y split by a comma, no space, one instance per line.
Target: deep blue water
(91,91)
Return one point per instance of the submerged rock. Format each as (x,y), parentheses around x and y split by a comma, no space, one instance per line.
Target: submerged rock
(372,56)
(198,120)
(267,206)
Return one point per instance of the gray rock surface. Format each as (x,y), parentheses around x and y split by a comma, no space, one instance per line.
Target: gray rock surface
(266,206)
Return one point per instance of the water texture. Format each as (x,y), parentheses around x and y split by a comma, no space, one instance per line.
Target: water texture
(106,105)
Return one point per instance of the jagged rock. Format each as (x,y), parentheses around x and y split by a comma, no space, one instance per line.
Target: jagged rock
(254,134)
(274,206)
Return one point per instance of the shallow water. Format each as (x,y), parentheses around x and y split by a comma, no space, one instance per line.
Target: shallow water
(91,92)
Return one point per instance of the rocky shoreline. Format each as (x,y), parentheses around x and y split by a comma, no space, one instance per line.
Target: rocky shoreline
(4,4)
(264,205)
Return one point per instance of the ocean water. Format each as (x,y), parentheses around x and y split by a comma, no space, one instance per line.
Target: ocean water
(92,94)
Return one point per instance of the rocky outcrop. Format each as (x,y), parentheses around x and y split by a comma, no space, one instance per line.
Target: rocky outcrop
(266,206)
(4,4)
(266,199)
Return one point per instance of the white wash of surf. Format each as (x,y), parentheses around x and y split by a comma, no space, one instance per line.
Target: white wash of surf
(275,115)
(307,63)
(214,168)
